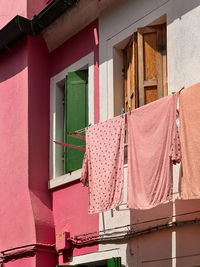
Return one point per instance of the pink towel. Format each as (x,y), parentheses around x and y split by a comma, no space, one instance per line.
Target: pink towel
(190,141)
(153,143)
(103,164)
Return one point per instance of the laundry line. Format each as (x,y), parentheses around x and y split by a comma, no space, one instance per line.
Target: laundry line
(122,114)
(68,145)
(76,133)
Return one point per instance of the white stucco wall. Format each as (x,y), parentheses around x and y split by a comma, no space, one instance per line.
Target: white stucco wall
(180,246)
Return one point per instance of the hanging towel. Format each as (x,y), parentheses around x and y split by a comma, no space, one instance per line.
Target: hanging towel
(103,164)
(153,144)
(190,141)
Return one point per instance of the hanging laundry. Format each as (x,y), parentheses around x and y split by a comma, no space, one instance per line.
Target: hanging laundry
(103,164)
(190,141)
(153,144)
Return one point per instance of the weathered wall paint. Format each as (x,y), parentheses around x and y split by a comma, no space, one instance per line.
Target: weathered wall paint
(70,203)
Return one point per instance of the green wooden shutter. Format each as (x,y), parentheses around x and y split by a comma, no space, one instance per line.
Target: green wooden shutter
(76,116)
(114,262)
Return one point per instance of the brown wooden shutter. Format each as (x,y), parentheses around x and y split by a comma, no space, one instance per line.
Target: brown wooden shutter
(152,71)
(130,74)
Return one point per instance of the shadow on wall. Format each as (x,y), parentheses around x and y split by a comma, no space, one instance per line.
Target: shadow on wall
(187,237)
(147,249)
(13,60)
(178,247)
(175,9)
(180,8)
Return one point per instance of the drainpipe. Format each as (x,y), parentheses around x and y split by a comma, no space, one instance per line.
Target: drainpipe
(20,26)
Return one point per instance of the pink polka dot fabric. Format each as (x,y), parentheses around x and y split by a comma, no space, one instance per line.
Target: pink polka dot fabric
(103,170)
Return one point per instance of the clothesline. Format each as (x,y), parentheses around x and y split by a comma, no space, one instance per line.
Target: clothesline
(68,145)
(123,114)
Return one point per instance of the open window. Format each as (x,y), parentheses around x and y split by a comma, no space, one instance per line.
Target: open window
(75,117)
(144,68)
(71,115)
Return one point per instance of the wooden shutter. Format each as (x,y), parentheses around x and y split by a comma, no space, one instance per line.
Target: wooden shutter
(130,74)
(152,63)
(76,116)
(114,262)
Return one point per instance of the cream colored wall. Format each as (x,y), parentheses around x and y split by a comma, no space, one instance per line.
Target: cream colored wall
(179,246)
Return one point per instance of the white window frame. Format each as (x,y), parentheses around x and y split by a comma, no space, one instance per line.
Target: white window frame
(95,256)
(108,55)
(88,61)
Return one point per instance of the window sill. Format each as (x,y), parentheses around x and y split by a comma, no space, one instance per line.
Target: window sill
(68,178)
(64,179)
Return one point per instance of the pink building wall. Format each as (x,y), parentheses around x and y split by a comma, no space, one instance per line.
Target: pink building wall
(11,8)
(26,206)
(26,203)
(38,139)
(17,223)
(81,44)
(24,262)
(70,202)
(25,8)
(34,7)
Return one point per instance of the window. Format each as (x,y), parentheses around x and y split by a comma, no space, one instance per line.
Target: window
(75,117)
(145,74)
(71,109)
(113,262)
(71,115)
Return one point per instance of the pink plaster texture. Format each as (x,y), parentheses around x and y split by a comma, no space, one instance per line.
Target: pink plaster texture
(70,203)
(25,8)
(38,125)
(80,45)
(17,223)
(26,203)
(71,215)
(26,208)
(23,262)
(11,8)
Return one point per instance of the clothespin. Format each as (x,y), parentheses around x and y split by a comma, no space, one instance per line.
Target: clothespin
(129,109)
(181,90)
(76,135)
(122,112)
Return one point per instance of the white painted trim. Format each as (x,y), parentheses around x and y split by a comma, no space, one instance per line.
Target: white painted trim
(106,47)
(64,179)
(95,256)
(88,60)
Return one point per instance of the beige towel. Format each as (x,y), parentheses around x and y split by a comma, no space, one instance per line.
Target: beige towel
(190,141)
